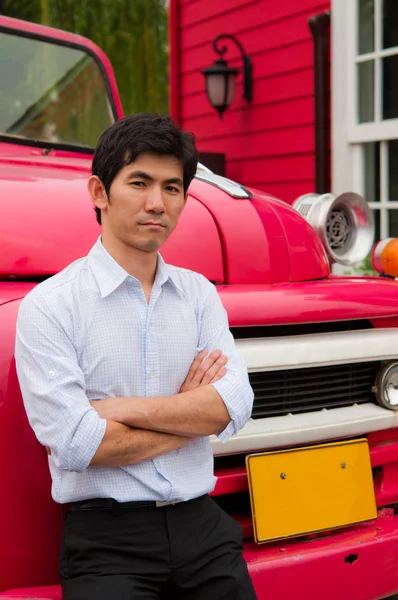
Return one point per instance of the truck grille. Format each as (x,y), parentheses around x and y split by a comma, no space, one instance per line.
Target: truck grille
(303,390)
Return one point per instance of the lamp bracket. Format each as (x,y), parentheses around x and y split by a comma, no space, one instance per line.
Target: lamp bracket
(247,63)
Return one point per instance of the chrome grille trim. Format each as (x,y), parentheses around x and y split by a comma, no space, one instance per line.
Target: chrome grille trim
(305,390)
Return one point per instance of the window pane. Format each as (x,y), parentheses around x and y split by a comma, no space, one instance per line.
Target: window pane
(366,91)
(365,26)
(376,216)
(372,171)
(51,93)
(390,23)
(393,170)
(390,87)
(393,218)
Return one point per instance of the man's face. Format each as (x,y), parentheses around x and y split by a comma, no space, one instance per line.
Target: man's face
(146,199)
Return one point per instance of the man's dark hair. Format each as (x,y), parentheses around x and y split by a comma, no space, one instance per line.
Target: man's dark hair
(125,140)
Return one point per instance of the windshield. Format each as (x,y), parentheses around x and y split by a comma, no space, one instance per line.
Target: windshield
(51,93)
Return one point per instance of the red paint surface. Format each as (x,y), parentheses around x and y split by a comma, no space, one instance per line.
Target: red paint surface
(14,150)
(306,258)
(315,569)
(174,60)
(245,247)
(30,522)
(49,192)
(385,323)
(229,240)
(259,247)
(27,480)
(268,144)
(263,239)
(333,299)
(52,592)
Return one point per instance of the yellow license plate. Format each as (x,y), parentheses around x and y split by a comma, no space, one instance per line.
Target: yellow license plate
(305,490)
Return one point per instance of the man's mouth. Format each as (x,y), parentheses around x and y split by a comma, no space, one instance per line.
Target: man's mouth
(153,224)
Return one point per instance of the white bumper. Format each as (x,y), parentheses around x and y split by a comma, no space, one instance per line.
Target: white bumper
(307,351)
(296,430)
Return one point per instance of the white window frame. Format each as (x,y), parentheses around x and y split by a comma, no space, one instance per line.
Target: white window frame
(347,135)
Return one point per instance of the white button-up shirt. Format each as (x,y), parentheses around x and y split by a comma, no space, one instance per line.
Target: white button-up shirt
(88,333)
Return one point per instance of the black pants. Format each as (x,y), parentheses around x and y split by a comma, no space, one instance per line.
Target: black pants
(189,551)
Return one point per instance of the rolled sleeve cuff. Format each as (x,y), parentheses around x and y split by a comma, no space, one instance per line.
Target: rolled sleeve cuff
(85,442)
(238,399)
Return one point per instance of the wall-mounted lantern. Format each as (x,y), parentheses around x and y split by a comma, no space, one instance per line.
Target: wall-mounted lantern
(221,79)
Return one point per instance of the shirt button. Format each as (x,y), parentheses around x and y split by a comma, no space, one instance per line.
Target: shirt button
(151,374)
(51,373)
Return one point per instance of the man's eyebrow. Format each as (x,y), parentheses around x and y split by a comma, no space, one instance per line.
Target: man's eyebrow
(176,180)
(147,177)
(140,175)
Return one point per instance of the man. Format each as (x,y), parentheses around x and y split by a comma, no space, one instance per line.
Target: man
(122,362)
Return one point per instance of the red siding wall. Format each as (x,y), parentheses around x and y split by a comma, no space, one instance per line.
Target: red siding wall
(269,143)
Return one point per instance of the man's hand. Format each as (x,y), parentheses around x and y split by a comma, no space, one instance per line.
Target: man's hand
(205,369)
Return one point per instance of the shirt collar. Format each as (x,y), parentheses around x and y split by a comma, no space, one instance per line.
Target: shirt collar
(110,275)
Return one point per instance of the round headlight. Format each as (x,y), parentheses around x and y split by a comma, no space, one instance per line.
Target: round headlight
(386,388)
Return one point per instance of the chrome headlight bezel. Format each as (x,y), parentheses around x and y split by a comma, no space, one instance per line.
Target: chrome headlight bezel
(384,380)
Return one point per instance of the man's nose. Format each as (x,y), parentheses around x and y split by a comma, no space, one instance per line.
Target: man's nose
(154,201)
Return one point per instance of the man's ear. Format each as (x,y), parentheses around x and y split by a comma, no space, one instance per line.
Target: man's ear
(97,192)
(185,198)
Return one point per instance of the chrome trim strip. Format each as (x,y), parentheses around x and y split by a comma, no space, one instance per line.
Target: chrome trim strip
(230,187)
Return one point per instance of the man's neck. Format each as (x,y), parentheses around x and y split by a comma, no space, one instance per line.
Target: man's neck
(141,265)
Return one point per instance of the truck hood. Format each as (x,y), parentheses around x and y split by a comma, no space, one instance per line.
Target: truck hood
(48,221)
(331,300)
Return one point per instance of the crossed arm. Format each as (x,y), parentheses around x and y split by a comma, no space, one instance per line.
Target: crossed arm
(143,428)
(122,431)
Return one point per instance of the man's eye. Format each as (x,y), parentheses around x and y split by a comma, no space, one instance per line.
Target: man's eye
(171,188)
(137,183)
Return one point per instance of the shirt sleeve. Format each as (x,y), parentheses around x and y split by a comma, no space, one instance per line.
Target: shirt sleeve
(53,388)
(234,388)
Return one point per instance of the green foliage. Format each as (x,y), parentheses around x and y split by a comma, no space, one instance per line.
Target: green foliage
(133,33)
(21,9)
(363,269)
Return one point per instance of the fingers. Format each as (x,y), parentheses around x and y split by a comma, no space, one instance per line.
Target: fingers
(219,375)
(205,369)
(205,365)
(195,366)
(214,370)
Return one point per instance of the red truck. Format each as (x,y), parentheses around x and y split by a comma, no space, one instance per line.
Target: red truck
(313,476)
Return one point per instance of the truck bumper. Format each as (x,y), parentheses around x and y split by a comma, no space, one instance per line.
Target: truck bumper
(358,563)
